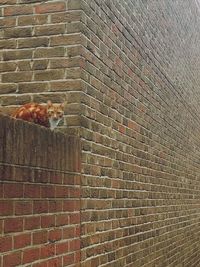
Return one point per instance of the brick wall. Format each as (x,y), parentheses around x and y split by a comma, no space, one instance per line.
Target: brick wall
(39,196)
(40,58)
(133,97)
(140,133)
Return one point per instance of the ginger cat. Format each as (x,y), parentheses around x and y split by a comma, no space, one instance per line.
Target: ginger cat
(48,116)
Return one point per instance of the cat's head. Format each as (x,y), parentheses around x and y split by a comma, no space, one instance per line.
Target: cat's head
(55,113)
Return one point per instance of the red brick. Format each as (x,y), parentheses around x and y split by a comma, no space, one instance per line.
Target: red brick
(5,243)
(40,237)
(56,206)
(23,207)
(12,260)
(32,223)
(55,235)
(74,245)
(18,10)
(41,264)
(50,7)
(62,191)
(32,190)
(48,191)
(22,240)
(68,259)
(62,219)
(69,205)
(56,262)
(48,221)
(40,206)
(69,232)
(6,207)
(13,190)
(1,188)
(31,255)
(75,218)
(13,225)
(47,251)
(62,248)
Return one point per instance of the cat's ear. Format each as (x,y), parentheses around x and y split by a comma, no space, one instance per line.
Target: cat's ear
(49,103)
(62,105)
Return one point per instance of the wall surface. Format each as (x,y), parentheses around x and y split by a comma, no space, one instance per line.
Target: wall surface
(39,196)
(140,133)
(129,71)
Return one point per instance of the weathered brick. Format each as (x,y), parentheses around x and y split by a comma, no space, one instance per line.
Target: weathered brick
(71,16)
(16,77)
(65,40)
(49,52)
(50,7)
(49,75)
(18,10)
(17,54)
(74,4)
(17,32)
(32,20)
(33,42)
(8,88)
(8,44)
(49,30)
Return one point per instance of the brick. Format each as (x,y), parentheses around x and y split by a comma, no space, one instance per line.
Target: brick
(13,190)
(6,207)
(49,74)
(5,243)
(40,206)
(18,54)
(22,240)
(48,221)
(74,4)
(33,42)
(18,32)
(8,88)
(62,219)
(31,223)
(40,237)
(66,86)
(47,191)
(49,30)
(31,255)
(47,251)
(54,235)
(23,207)
(8,22)
(32,88)
(8,44)
(50,7)
(64,63)
(71,16)
(13,225)
(49,52)
(32,20)
(18,10)
(8,2)
(11,260)
(31,191)
(70,39)
(17,77)
(62,248)
(40,64)
(68,259)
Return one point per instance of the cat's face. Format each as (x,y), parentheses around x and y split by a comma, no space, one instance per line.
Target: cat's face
(55,113)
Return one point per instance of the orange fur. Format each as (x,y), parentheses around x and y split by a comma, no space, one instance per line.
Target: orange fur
(48,115)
